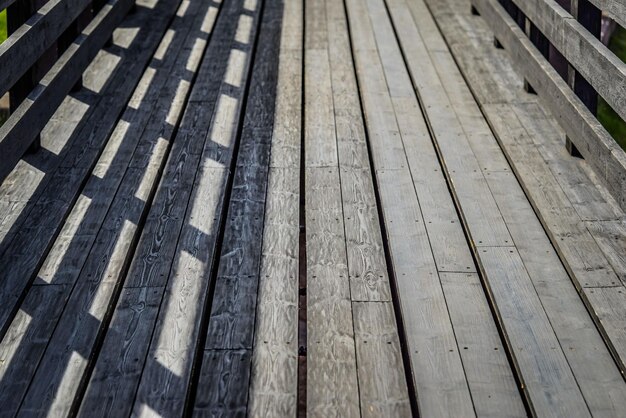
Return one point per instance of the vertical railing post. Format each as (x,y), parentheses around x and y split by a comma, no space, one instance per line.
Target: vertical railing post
(590,17)
(17,14)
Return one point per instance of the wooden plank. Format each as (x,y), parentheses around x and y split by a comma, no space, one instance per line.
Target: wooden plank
(219,388)
(47,213)
(22,49)
(382,389)
(332,385)
(436,368)
(611,238)
(500,265)
(331,362)
(460,163)
(493,387)
(273,386)
(597,375)
(108,258)
(562,190)
(176,336)
(158,252)
(544,372)
(596,145)
(616,9)
(367,268)
(18,132)
(380,369)
(233,308)
(605,71)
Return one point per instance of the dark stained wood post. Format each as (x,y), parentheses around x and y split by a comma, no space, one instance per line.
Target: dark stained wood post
(72,32)
(17,14)
(590,17)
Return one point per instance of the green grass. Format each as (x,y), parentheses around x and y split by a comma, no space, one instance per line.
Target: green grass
(3,25)
(606,115)
(3,36)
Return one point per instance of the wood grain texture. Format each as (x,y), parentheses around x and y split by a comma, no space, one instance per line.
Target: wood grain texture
(219,388)
(23,47)
(546,376)
(48,211)
(273,383)
(596,145)
(597,374)
(436,367)
(18,132)
(382,385)
(331,362)
(605,71)
(491,382)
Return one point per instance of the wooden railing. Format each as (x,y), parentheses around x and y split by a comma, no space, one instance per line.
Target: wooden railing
(538,34)
(50,44)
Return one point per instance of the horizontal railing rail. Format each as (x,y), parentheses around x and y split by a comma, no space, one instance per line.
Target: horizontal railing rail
(42,60)
(534,35)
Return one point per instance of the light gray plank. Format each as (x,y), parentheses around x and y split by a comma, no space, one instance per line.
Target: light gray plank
(18,132)
(382,383)
(331,363)
(436,367)
(545,374)
(491,382)
(273,386)
(595,370)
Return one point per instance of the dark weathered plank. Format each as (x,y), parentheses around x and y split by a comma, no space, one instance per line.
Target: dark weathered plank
(175,340)
(157,250)
(18,132)
(45,214)
(22,49)
(219,393)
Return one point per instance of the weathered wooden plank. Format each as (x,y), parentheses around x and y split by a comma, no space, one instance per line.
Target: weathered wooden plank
(382,385)
(611,238)
(462,168)
(273,385)
(331,362)
(18,132)
(605,71)
(616,9)
(545,374)
(493,387)
(590,360)
(562,190)
(177,330)
(367,268)
(219,388)
(192,256)
(332,385)
(233,308)
(596,145)
(436,367)
(22,49)
(48,212)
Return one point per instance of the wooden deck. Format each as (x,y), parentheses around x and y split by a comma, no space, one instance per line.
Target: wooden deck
(323,208)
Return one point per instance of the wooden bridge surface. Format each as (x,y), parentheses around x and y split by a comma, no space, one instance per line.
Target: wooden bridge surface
(338,208)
